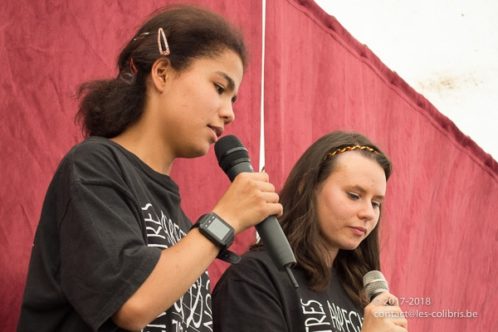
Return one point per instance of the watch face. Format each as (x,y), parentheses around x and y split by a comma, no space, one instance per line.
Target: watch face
(219,229)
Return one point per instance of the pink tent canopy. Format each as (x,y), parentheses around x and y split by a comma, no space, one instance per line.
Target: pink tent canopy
(438,235)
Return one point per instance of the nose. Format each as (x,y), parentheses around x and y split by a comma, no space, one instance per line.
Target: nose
(367,212)
(227,113)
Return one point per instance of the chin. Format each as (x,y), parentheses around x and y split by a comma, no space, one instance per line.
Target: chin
(350,245)
(199,151)
(195,154)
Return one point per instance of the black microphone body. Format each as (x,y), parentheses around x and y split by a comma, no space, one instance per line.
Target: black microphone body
(233,158)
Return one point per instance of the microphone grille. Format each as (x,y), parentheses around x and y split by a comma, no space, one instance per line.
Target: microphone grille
(230,151)
(226,143)
(374,283)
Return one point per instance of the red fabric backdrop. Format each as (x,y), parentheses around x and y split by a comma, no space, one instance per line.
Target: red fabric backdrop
(439,232)
(438,238)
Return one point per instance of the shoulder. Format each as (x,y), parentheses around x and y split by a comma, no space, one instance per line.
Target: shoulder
(252,296)
(255,269)
(92,148)
(254,261)
(257,256)
(94,158)
(270,301)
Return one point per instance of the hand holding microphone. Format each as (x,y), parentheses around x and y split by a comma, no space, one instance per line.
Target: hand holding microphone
(383,313)
(252,199)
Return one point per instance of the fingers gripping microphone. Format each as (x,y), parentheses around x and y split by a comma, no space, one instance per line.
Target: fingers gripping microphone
(375,283)
(233,158)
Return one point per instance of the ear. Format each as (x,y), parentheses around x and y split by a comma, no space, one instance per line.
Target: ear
(159,73)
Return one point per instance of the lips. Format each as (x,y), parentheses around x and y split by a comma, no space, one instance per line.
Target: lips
(217,130)
(358,230)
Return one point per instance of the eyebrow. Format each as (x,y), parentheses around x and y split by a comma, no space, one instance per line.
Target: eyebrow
(362,191)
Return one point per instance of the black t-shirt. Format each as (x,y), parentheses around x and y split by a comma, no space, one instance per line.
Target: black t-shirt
(256,296)
(105,219)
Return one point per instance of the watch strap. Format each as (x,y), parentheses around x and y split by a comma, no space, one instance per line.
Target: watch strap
(224,254)
(228,256)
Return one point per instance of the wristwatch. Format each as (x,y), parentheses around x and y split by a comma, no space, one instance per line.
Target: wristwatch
(218,231)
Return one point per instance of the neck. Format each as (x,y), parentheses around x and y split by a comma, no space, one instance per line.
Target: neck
(146,146)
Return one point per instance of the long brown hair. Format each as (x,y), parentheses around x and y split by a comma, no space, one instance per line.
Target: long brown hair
(110,106)
(299,220)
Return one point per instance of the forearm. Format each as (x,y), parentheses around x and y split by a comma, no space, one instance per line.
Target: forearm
(177,269)
(249,199)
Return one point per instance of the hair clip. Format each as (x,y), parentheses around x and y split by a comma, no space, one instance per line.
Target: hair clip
(133,67)
(140,36)
(162,42)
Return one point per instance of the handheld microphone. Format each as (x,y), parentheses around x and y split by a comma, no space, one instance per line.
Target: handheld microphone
(375,283)
(233,158)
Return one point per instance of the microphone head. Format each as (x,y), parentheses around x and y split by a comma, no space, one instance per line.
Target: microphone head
(374,283)
(229,152)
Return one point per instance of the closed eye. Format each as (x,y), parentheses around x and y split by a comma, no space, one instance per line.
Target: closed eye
(353,196)
(219,88)
(376,205)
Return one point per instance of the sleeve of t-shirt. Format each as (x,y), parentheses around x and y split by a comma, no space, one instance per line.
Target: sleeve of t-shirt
(104,256)
(246,300)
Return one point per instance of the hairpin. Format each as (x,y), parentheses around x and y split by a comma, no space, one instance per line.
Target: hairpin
(162,42)
(140,36)
(133,67)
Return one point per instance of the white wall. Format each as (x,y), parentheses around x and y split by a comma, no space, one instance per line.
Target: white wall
(446,50)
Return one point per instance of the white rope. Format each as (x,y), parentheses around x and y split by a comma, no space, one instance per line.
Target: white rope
(262,101)
(262,159)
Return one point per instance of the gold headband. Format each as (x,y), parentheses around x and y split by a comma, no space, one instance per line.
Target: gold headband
(351,148)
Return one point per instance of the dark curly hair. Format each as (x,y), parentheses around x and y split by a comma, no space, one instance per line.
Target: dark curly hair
(108,107)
